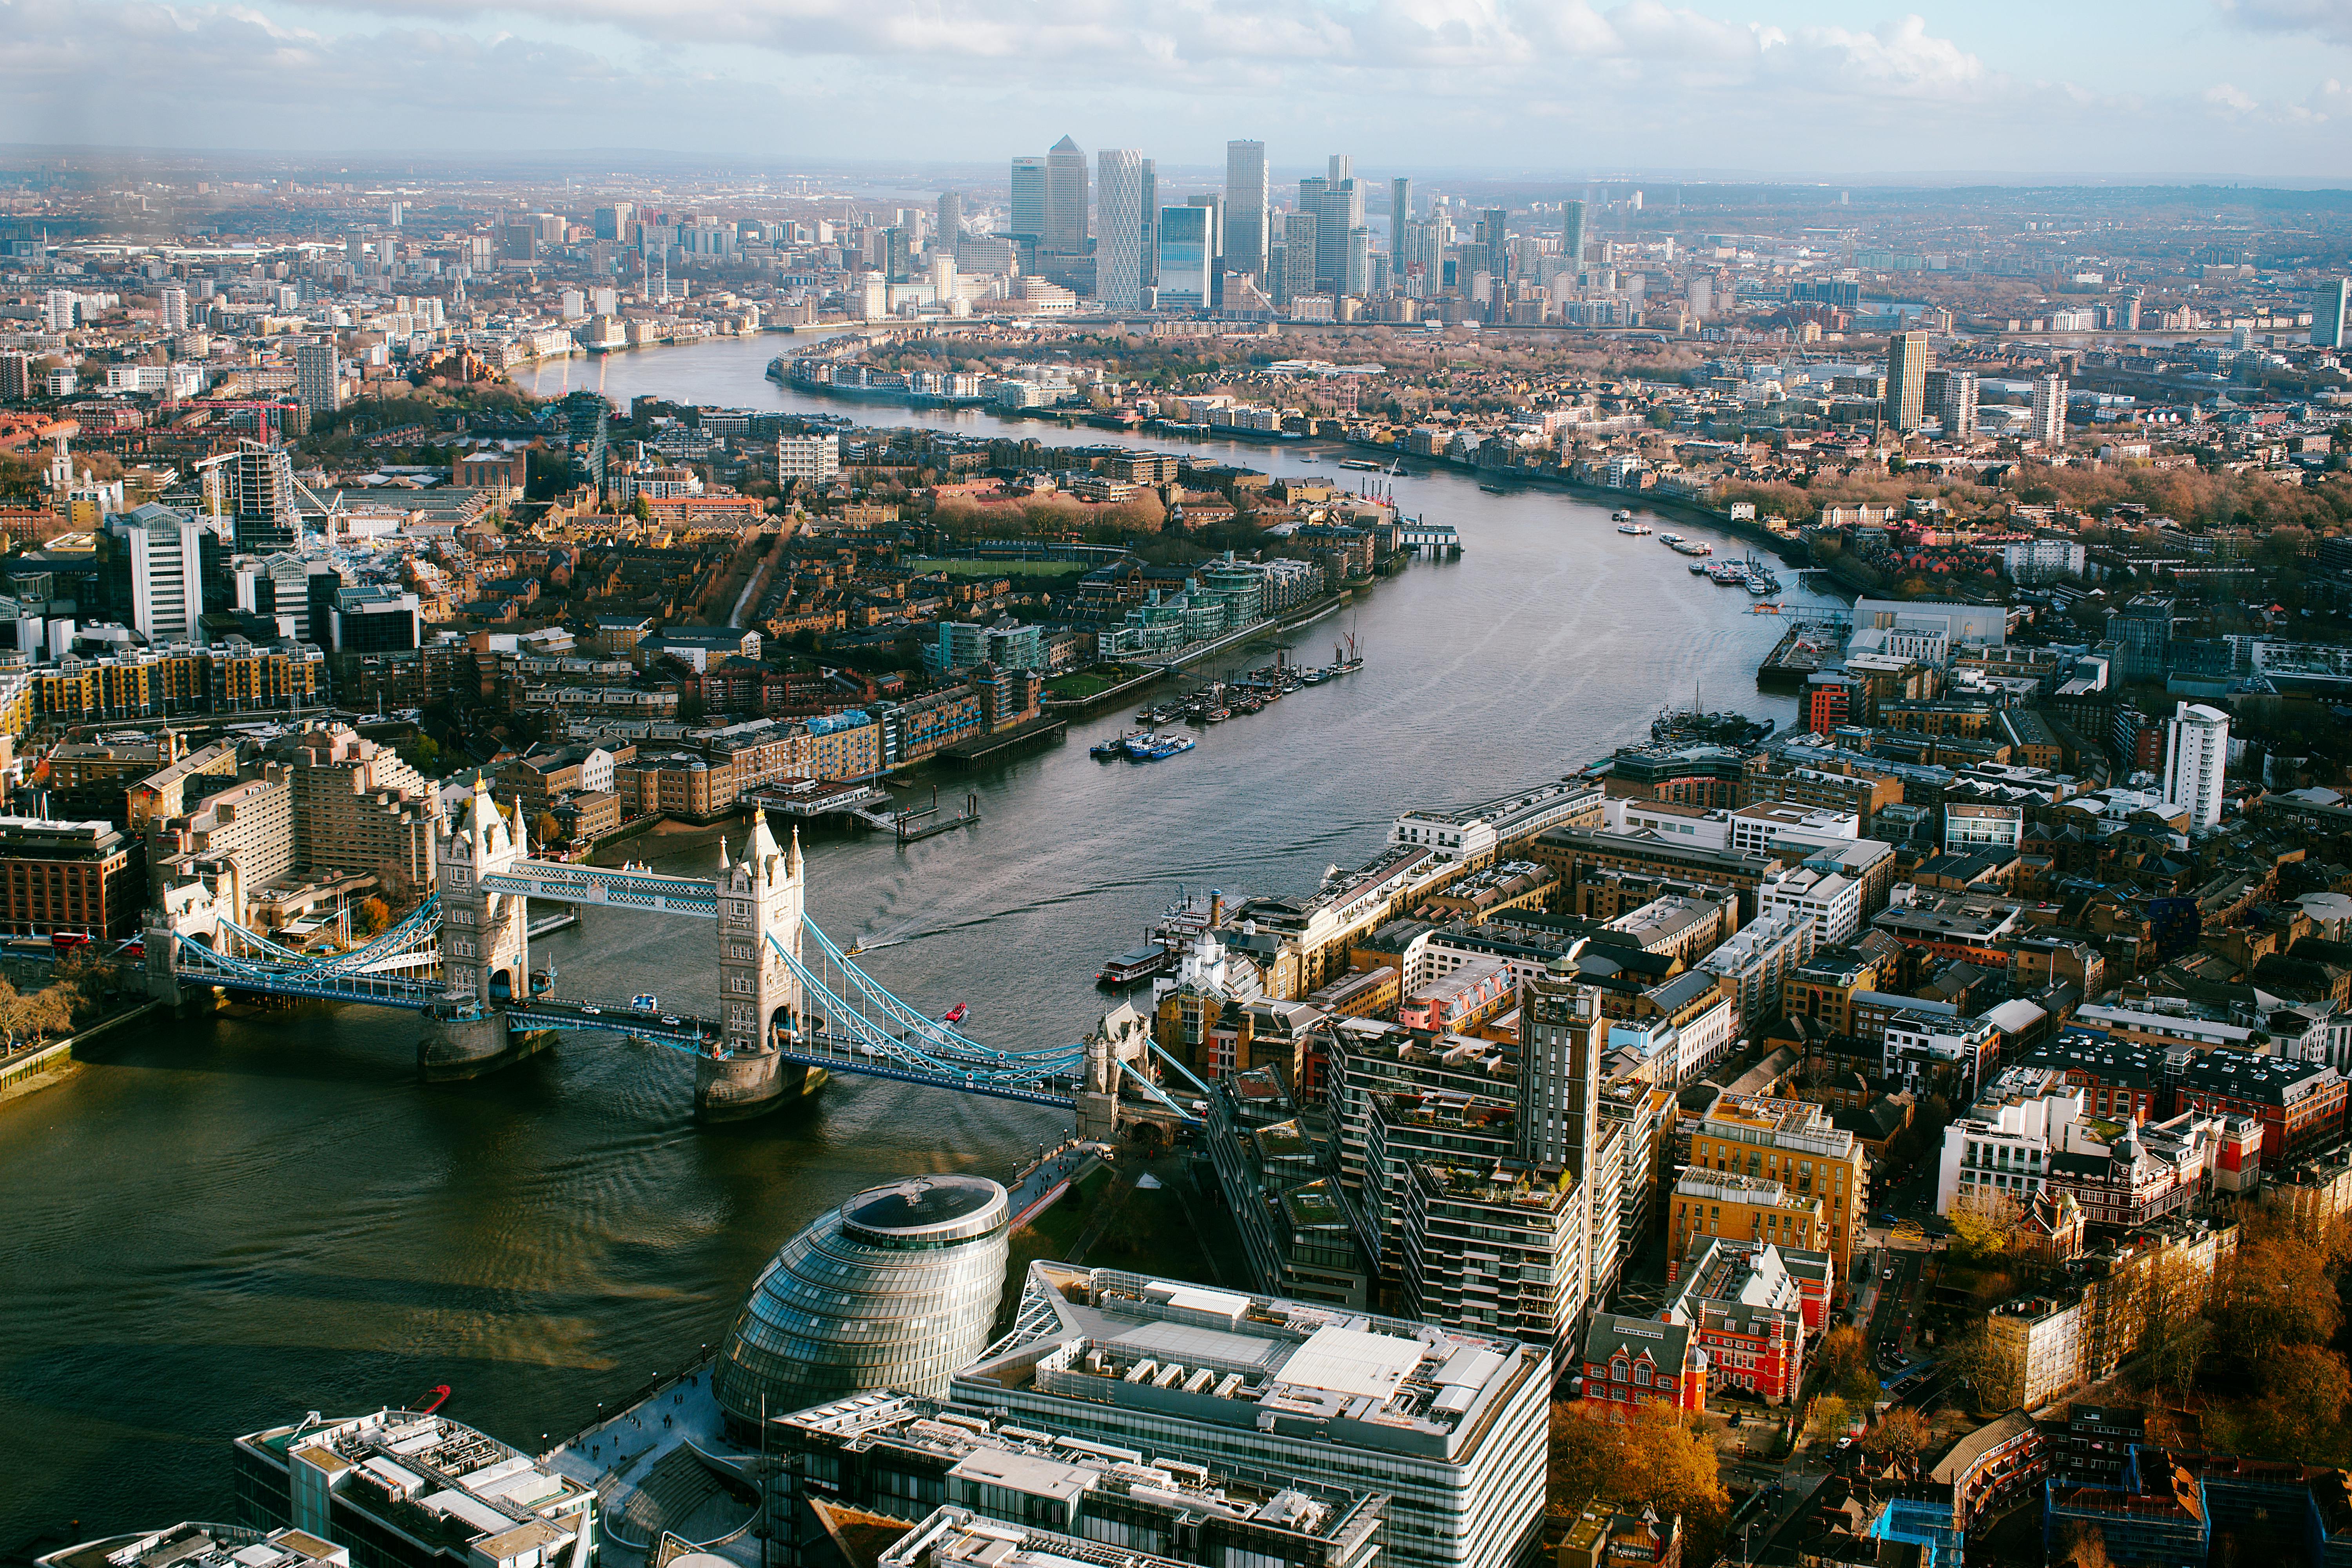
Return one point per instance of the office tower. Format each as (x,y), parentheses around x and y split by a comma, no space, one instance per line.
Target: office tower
(261,497)
(2329,308)
(2196,753)
(1151,222)
(612,221)
(1908,359)
(175,301)
(165,559)
(1341,167)
(1118,258)
(1952,399)
(951,215)
(1028,219)
(1464,1479)
(1247,200)
(318,378)
(1493,233)
(1400,215)
(1066,196)
(1298,244)
(1186,259)
(2049,423)
(1339,207)
(1355,270)
(896,255)
(1571,234)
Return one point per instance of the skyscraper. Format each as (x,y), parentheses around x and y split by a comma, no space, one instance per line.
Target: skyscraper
(175,302)
(1118,258)
(167,593)
(1216,204)
(1151,221)
(2329,308)
(1298,244)
(1185,258)
(1247,198)
(1339,207)
(1908,359)
(1066,196)
(1495,234)
(1341,166)
(1571,234)
(1952,399)
(950,217)
(1400,215)
(2049,423)
(1028,219)
(261,497)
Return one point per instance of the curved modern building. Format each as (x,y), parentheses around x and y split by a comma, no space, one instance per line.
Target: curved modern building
(896,1288)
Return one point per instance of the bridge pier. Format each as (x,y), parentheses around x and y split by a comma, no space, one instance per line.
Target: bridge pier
(456,1048)
(741,1085)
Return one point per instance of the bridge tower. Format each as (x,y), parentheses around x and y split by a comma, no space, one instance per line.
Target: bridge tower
(485,947)
(759,899)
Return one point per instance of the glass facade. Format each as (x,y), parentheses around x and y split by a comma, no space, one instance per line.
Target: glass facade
(894,1289)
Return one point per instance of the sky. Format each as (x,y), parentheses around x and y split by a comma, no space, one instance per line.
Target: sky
(2249,90)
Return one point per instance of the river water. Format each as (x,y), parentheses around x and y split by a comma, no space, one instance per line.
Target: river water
(222,1223)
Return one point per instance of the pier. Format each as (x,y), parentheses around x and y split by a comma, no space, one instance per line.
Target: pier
(920,822)
(1812,644)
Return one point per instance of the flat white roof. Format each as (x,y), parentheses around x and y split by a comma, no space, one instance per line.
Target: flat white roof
(1349,1361)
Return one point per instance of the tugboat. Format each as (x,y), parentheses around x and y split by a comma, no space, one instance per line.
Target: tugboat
(1108,751)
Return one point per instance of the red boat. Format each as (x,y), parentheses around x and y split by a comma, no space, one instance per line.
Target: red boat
(954,1015)
(438,1395)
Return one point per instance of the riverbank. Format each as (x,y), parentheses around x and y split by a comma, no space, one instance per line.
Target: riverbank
(44,1067)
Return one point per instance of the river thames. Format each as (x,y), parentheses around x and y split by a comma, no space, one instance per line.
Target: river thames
(223,1224)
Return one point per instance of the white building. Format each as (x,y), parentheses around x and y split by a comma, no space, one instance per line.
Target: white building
(1828,902)
(167,587)
(2003,1148)
(174,308)
(1118,251)
(1755,962)
(1767,827)
(2196,752)
(1973,829)
(814,458)
(2039,560)
(1476,832)
(2047,423)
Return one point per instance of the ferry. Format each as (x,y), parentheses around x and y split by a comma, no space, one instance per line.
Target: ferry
(1635,529)
(1670,540)
(1693,547)
(1762,587)
(1140,964)
(1359,464)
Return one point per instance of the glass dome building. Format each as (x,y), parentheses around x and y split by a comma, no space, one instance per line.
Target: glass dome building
(896,1288)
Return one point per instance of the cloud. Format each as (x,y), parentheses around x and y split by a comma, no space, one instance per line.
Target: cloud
(2229,102)
(2328,19)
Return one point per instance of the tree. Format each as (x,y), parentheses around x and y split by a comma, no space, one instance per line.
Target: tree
(2301,1413)
(421,751)
(642,509)
(1831,1417)
(1651,1454)
(374,915)
(1989,1364)
(1845,1364)
(546,829)
(1985,1226)
(1899,1436)
(2276,1292)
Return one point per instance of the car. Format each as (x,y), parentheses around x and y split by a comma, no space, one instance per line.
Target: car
(1888,1275)
(592,1009)
(1845,1442)
(671,1019)
(1887,1216)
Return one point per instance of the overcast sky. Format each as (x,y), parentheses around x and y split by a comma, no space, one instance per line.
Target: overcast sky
(2243,88)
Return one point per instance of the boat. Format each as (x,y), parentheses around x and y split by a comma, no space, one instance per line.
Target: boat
(1137,963)
(1764,609)
(1693,547)
(645,1002)
(1495,489)
(1761,587)
(954,1015)
(1359,464)
(1623,514)
(1106,750)
(1216,716)
(435,1397)
(1698,569)
(1670,540)
(857,945)
(1635,529)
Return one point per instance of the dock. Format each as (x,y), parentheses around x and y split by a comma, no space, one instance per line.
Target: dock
(1811,644)
(916,823)
(981,748)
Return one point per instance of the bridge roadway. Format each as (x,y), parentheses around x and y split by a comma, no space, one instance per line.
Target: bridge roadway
(652,892)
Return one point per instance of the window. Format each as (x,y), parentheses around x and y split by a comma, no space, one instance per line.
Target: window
(1641,1375)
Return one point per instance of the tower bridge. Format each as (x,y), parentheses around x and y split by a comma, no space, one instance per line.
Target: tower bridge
(784,1008)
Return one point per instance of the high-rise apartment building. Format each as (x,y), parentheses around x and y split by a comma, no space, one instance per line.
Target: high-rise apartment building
(1908,357)
(2196,753)
(1400,215)
(1151,221)
(175,302)
(1571,234)
(1298,242)
(261,497)
(1186,259)
(2329,309)
(1247,199)
(1118,256)
(318,378)
(1952,399)
(2049,421)
(1340,209)
(586,419)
